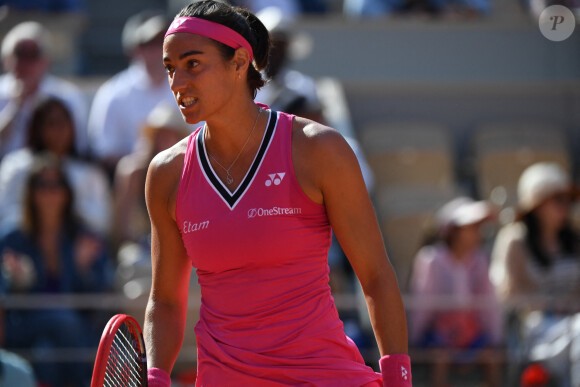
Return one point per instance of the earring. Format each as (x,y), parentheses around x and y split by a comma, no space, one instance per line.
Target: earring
(239,76)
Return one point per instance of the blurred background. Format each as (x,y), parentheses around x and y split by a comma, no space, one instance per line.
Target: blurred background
(440,99)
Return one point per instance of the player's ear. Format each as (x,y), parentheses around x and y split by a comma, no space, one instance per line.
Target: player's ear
(241,60)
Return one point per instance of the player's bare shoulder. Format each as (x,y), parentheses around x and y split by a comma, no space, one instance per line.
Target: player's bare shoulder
(316,142)
(318,153)
(168,162)
(164,174)
(305,130)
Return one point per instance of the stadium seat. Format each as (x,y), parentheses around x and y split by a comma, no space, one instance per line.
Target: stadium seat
(502,151)
(406,216)
(408,153)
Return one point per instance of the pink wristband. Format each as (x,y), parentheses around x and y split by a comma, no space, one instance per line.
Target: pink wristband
(156,377)
(396,370)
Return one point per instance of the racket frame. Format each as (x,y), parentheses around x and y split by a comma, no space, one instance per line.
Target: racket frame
(107,338)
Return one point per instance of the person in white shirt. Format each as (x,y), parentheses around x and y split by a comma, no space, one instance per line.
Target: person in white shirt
(121,105)
(26,61)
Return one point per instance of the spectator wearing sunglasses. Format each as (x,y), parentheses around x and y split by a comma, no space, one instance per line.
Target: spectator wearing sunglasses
(536,268)
(26,61)
(51,253)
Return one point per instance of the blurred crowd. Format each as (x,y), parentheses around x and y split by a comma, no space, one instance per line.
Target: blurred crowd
(73,218)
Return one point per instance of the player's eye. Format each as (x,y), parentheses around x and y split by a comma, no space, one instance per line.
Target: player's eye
(192,64)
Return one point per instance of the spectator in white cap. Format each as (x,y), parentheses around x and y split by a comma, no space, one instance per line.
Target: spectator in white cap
(458,308)
(26,61)
(122,104)
(538,254)
(536,266)
(287,89)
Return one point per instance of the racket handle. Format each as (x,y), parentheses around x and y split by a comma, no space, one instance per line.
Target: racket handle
(396,370)
(156,377)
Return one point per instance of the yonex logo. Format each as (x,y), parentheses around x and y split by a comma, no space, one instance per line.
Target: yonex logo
(177,22)
(404,373)
(275,178)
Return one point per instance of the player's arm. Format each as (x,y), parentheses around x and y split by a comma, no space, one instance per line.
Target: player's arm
(167,306)
(330,174)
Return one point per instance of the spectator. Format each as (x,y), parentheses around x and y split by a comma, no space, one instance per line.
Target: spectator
(536,266)
(122,104)
(51,252)
(318,7)
(51,129)
(456,267)
(449,8)
(46,5)
(164,127)
(381,8)
(535,7)
(287,90)
(289,8)
(372,8)
(26,59)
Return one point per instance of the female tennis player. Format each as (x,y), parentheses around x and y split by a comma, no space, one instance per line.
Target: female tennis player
(249,200)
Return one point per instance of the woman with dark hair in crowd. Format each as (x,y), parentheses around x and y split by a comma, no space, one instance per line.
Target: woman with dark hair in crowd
(540,253)
(459,309)
(536,266)
(249,199)
(51,129)
(51,252)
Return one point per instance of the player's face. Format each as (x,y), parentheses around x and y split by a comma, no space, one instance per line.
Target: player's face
(202,81)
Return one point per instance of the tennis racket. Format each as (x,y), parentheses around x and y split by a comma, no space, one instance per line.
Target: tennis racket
(121,358)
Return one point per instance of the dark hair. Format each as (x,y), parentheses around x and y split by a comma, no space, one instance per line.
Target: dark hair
(38,119)
(243,22)
(567,237)
(42,163)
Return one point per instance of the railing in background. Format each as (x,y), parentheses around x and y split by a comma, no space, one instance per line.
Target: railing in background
(344,302)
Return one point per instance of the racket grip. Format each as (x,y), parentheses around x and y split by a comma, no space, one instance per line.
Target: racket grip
(396,370)
(156,377)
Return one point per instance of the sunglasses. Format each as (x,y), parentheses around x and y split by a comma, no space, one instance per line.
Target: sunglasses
(49,184)
(27,54)
(562,199)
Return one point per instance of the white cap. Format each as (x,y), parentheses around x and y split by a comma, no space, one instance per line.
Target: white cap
(166,116)
(143,28)
(539,182)
(28,30)
(274,19)
(462,211)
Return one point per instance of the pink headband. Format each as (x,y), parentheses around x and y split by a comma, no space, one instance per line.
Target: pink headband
(215,31)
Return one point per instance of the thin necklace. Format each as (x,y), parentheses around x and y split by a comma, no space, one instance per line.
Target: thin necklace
(229,177)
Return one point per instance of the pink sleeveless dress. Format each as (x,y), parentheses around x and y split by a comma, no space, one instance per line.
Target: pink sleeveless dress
(267,317)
